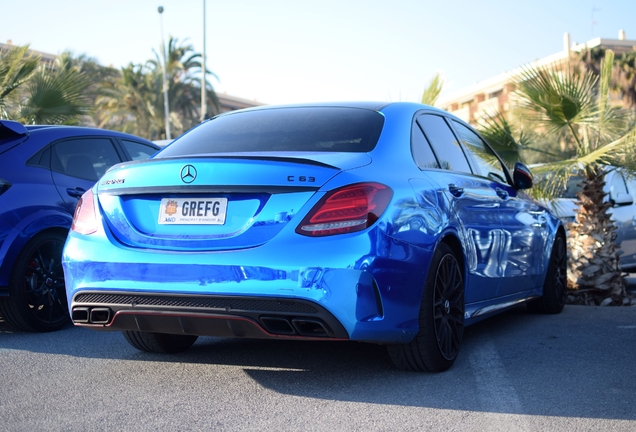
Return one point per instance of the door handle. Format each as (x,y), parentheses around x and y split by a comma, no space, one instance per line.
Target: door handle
(76,193)
(455,190)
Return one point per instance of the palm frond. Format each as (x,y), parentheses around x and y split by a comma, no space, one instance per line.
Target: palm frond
(433,90)
(507,142)
(55,97)
(16,67)
(557,100)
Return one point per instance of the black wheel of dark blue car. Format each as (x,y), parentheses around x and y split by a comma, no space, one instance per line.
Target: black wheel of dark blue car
(555,287)
(37,296)
(441,319)
(161,343)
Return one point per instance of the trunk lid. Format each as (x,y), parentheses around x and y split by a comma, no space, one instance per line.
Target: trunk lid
(219,202)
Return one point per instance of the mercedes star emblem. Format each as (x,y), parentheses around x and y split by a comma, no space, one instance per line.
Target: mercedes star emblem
(188,174)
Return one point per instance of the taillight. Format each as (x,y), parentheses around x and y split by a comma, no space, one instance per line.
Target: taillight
(84,219)
(347,209)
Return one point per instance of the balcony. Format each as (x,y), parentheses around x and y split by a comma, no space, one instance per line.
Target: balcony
(487,108)
(463,113)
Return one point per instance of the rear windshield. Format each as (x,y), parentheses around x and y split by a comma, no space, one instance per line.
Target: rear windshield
(315,129)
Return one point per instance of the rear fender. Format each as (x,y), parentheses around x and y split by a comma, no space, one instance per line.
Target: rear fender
(17,237)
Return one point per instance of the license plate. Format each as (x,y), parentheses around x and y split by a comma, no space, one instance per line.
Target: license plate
(192,211)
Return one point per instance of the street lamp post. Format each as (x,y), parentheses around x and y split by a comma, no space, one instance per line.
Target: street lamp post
(166,105)
(203,71)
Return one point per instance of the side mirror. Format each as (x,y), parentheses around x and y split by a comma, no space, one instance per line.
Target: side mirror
(622,199)
(522,177)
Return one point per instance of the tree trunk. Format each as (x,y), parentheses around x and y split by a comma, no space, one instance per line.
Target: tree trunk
(594,275)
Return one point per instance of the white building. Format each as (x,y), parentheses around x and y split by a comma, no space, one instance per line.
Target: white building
(496,94)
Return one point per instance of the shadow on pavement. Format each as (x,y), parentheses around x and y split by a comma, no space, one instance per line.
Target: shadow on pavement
(569,365)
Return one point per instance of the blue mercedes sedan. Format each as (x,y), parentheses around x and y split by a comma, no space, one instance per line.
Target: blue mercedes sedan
(390,223)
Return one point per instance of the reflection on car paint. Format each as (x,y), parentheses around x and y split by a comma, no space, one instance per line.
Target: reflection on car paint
(370,281)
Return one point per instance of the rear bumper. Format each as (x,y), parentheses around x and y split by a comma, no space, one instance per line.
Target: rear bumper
(223,316)
(366,287)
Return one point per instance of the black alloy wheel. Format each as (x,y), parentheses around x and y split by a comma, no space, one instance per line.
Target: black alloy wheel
(441,318)
(37,295)
(556,280)
(448,307)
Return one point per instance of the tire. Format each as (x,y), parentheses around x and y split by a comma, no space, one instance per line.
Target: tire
(555,286)
(441,318)
(37,295)
(161,343)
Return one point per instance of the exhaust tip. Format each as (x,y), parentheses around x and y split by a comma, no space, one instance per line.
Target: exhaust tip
(277,325)
(80,315)
(307,327)
(100,316)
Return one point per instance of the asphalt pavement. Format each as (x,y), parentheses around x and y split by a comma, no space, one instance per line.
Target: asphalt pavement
(517,372)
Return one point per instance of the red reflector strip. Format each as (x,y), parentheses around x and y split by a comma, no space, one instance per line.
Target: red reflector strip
(333,225)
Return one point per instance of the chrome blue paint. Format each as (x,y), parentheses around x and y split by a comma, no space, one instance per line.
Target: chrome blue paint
(370,281)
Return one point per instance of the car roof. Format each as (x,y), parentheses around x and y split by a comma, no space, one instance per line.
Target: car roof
(70,131)
(371,105)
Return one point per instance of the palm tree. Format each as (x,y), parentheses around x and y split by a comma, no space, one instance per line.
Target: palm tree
(35,93)
(574,107)
(55,96)
(128,103)
(624,78)
(433,90)
(133,102)
(184,84)
(16,68)
(589,59)
(96,75)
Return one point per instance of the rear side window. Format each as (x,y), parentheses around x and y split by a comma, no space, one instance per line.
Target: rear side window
(488,164)
(447,149)
(85,158)
(311,129)
(138,151)
(421,149)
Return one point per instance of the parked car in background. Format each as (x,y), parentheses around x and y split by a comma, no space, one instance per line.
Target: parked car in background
(387,223)
(43,172)
(621,190)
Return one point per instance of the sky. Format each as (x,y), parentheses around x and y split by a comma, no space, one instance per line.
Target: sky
(286,51)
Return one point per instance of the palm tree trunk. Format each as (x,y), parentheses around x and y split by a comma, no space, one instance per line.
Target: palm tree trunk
(594,276)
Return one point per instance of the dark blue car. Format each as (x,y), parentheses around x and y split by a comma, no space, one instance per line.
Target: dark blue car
(43,172)
(391,223)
